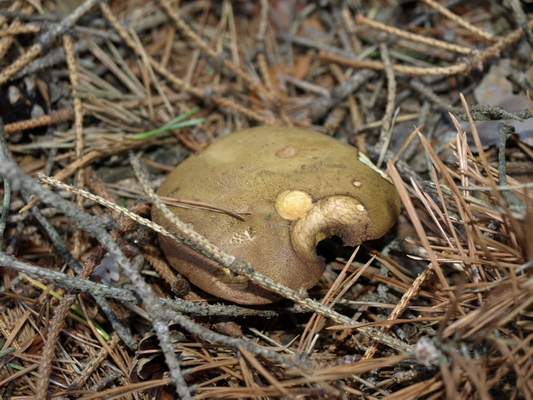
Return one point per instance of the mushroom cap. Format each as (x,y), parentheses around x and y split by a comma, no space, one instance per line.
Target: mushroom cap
(261,170)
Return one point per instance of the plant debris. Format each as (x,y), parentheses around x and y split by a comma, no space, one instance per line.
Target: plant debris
(99,100)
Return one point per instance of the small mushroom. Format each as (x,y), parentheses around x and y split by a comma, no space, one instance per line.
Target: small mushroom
(299,187)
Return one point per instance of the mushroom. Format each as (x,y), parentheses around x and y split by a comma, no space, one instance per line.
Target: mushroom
(299,188)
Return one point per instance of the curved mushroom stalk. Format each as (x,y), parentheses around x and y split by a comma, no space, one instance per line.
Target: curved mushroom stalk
(341,216)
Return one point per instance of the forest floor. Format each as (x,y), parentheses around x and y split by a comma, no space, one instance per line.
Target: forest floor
(437,93)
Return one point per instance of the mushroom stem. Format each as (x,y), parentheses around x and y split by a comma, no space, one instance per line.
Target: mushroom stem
(337,215)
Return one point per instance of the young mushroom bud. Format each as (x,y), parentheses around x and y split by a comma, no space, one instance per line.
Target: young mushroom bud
(298,186)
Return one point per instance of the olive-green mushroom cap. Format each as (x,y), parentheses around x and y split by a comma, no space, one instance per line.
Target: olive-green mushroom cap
(299,187)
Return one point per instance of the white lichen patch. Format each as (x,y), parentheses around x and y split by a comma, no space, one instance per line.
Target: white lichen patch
(240,238)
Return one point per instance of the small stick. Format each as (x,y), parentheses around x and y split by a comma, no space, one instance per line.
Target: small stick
(244,111)
(68,46)
(20,62)
(455,18)
(265,73)
(386,128)
(6,42)
(377,124)
(50,119)
(402,69)
(93,364)
(399,309)
(19,30)
(7,195)
(319,107)
(361,19)
(67,172)
(201,205)
(261,58)
(263,22)
(348,22)
(521,19)
(352,102)
(56,326)
(514,202)
(463,66)
(433,97)
(15,6)
(101,291)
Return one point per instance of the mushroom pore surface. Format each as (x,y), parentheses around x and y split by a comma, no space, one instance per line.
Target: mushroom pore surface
(299,187)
